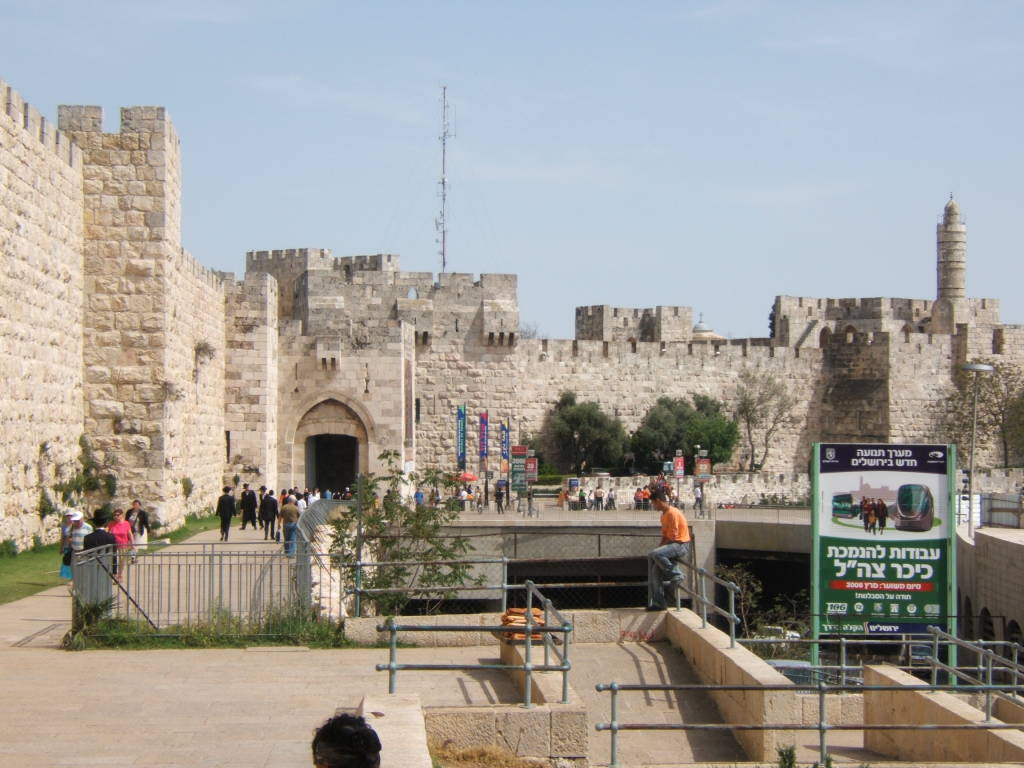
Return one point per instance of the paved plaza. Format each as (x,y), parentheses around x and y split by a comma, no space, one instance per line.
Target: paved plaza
(259,706)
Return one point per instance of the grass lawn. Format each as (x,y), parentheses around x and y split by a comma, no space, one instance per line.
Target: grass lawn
(29,572)
(33,571)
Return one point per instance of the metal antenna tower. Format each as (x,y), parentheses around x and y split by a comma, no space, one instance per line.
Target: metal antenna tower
(441,222)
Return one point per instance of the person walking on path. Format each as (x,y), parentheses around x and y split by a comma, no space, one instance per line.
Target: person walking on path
(139,521)
(225,511)
(248,503)
(268,514)
(101,537)
(663,561)
(290,524)
(122,532)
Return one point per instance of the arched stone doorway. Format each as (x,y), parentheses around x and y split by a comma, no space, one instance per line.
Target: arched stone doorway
(330,447)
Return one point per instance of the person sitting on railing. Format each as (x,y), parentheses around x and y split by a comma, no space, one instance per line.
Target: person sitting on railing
(663,561)
(346,741)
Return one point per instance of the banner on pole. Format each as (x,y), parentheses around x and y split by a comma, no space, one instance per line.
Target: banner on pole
(460,437)
(484,435)
(882,553)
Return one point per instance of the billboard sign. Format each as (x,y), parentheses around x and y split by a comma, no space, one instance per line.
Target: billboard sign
(702,467)
(882,553)
(531,469)
(679,466)
(518,467)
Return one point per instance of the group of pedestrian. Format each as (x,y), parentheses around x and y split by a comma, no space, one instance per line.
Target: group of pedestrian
(596,499)
(277,515)
(127,532)
(874,513)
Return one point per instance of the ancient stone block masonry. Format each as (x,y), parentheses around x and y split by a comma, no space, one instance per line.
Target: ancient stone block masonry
(307,368)
(42,295)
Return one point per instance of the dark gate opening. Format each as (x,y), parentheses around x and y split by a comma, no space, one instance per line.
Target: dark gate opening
(332,461)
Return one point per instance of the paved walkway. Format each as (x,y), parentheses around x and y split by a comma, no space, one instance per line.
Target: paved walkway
(259,706)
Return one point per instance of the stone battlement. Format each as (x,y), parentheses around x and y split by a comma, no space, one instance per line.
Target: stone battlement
(37,126)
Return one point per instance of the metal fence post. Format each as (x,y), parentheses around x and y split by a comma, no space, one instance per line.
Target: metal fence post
(989,657)
(527,650)
(504,584)
(732,617)
(566,665)
(392,655)
(614,687)
(842,661)
(822,719)
(209,592)
(934,660)
(703,603)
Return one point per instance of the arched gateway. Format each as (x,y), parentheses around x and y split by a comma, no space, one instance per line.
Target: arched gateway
(330,446)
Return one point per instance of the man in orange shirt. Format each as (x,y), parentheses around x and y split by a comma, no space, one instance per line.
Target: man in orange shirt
(662,561)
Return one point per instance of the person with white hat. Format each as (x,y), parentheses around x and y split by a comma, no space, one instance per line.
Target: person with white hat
(79,530)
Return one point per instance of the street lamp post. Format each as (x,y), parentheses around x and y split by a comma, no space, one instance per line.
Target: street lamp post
(975,368)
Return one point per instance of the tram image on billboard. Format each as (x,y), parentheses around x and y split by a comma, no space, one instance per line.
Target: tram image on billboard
(915,508)
(843,506)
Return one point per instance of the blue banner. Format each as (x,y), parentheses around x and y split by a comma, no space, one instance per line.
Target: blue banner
(506,440)
(460,437)
(484,435)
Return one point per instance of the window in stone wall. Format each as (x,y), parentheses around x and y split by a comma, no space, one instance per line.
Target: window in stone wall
(490,338)
(323,363)
(417,410)
(997,341)
(227,445)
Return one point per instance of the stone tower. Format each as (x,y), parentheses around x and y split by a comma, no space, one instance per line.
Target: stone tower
(951,252)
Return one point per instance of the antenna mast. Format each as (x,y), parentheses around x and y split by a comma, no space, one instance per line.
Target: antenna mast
(441,223)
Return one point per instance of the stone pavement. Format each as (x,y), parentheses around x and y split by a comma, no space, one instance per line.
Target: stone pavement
(259,706)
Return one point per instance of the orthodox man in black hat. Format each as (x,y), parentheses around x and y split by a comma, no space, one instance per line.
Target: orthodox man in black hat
(225,511)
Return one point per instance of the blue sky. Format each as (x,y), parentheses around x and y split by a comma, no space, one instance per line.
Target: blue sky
(706,154)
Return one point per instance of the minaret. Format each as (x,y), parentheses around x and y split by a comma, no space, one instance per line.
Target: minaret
(951,252)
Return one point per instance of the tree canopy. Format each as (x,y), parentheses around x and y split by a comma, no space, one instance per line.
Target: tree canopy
(763,406)
(672,424)
(1000,410)
(580,436)
(381,527)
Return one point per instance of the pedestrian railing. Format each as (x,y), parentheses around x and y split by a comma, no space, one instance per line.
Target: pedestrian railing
(823,727)
(203,583)
(990,668)
(553,623)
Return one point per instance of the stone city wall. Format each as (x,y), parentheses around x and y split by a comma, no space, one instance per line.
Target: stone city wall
(193,425)
(41,291)
(153,333)
(523,383)
(250,378)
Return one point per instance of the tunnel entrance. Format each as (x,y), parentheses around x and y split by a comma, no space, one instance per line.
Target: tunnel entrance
(332,461)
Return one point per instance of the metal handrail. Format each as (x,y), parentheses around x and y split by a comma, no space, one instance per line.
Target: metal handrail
(701,599)
(546,630)
(822,726)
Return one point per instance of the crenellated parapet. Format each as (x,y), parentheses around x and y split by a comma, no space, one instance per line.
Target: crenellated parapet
(35,125)
(604,323)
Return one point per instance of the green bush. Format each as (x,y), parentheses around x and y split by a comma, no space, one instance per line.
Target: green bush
(8,548)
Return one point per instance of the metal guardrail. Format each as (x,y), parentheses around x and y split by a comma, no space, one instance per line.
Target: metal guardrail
(990,666)
(822,726)
(554,623)
(203,583)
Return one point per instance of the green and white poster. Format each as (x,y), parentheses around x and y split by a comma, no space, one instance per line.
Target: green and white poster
(882,554)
